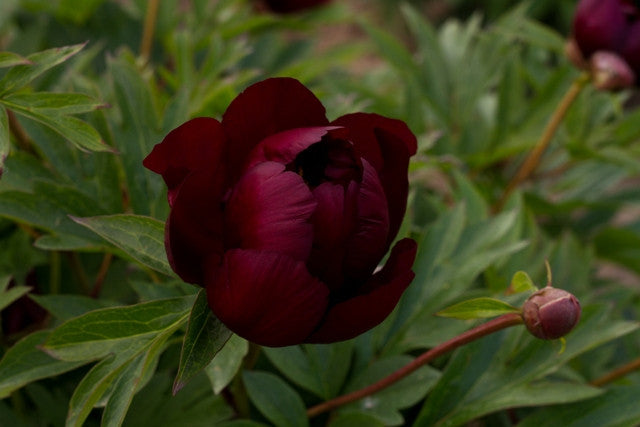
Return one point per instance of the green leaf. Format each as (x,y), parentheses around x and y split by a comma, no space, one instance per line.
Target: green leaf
(351,419)
(226,363)
(65,307)
(521,282)
(205,336)
(5,137)
(9,59)
(321,369)
(478,308)
(108,330)
(140,237)
(278,402)
(618,407)
(130,381)
(25,362)
(39,62)
(135,137)
(51,103)
(79,133)
(386,404)
(7,296)
(483,376)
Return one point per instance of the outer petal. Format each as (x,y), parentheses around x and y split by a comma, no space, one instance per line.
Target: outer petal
(387,144)
(284,147)
(196,144)
(368,240)
(333,222)
(265,297)
(266,108)
(362,132)
(270,209)
(599,25)
(379,297)
(194,230)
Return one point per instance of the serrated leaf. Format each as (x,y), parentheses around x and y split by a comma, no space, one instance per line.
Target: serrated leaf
(521,282)
(79,133)
(10,59)
(140,237)
(5,137)
(25,362)
(52,103)
(108,330)
(39,62)
(478,308)
(227,362)
(278,402)
(205,336)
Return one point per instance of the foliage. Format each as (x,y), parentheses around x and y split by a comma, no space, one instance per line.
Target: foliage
(96,328)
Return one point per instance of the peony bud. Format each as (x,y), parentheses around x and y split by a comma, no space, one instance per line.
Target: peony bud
(551,313)
(608,26)
(610,71)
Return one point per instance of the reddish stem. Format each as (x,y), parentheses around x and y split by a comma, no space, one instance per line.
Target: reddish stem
(494,325)
(617,373)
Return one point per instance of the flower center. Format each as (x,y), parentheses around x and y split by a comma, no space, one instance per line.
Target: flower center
(330,160)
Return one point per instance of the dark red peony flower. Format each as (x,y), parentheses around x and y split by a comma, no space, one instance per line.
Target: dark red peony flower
(284,216)
(288,6)
(609,26)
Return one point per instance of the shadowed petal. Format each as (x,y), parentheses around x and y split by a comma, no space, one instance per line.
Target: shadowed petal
(368,240)
(266,108)
(380,295)
(387,144)
(194,229)
(196,144)
(283,147)
(270,209)
(265,297)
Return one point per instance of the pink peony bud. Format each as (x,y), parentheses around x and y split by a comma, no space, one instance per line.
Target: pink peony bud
(551,313)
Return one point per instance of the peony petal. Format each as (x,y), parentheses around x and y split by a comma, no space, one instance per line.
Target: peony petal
(599,25)
(333,221)
(387,144)
(354,316)
(194,230)
(266,108)
(284,147)
(196,144)
(265,297)
(362,132)
(270,209)
(367,242)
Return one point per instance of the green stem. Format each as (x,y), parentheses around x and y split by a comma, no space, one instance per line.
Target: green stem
(494,325)
(533,159)
(78,271)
